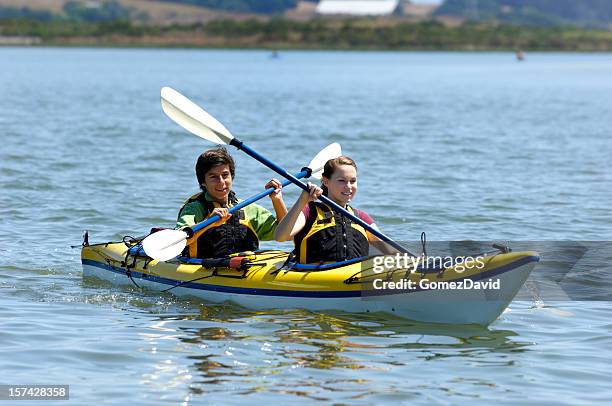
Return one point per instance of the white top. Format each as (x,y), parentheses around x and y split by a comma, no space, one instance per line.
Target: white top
(357,7)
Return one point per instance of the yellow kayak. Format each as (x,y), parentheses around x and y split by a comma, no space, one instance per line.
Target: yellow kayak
(270,280)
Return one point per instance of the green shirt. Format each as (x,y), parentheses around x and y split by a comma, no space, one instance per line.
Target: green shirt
(264,223)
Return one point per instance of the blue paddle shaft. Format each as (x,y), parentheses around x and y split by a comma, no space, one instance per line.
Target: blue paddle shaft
(240,145)
(304,174)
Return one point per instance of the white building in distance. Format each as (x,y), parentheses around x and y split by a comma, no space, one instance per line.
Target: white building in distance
(357,7)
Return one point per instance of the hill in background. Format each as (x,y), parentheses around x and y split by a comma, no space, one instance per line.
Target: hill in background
(245,6)
(142,11)
(172,24)
(582,13)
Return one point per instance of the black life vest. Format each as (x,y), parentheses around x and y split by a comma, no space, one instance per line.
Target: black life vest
(329,236)
(235,235)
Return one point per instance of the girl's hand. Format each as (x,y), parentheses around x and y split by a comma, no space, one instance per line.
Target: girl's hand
(314,192)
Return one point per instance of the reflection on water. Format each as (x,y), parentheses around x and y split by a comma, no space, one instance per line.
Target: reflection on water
(180,350)
(313,356)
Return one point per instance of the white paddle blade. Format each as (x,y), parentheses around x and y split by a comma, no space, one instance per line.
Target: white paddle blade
(165,244)
(318,162)
(193,118)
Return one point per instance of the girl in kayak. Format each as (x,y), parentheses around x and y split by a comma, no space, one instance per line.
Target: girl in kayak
(319,233)
(237,232)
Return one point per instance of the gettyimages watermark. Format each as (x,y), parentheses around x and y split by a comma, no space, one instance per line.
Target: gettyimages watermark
(415,269)
(425,263)
(560,270)
(429,264)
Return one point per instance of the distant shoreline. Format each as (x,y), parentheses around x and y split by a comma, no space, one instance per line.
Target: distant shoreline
(314,35)
(288,49)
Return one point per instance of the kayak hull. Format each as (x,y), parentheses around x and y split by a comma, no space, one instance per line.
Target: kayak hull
(270,284)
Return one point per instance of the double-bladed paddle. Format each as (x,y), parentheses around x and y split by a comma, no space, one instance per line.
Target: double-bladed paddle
(167,244)
(194,119)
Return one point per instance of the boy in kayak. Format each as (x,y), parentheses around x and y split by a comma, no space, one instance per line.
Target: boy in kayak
(321,234)
(237,232)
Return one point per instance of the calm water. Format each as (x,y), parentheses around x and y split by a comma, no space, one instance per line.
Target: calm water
(460,145)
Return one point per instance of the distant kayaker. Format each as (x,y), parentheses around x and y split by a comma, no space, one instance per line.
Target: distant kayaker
(319,233)
(238,232)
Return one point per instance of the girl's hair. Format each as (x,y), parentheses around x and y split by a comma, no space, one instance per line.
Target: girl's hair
(332,164)
(211,158)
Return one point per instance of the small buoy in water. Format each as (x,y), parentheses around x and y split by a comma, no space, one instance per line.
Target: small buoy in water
(520,56)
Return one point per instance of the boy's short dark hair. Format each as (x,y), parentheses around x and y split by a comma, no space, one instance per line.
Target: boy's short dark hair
(211,158)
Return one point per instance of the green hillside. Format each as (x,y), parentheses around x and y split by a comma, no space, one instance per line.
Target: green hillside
(73,10)
(247,6)
(113,10)
(584,13)
(502,25)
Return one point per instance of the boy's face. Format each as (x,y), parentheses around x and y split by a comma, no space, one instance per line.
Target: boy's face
(218,182)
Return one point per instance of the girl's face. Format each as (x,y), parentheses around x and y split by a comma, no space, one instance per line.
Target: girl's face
(342,186)
(218,183)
